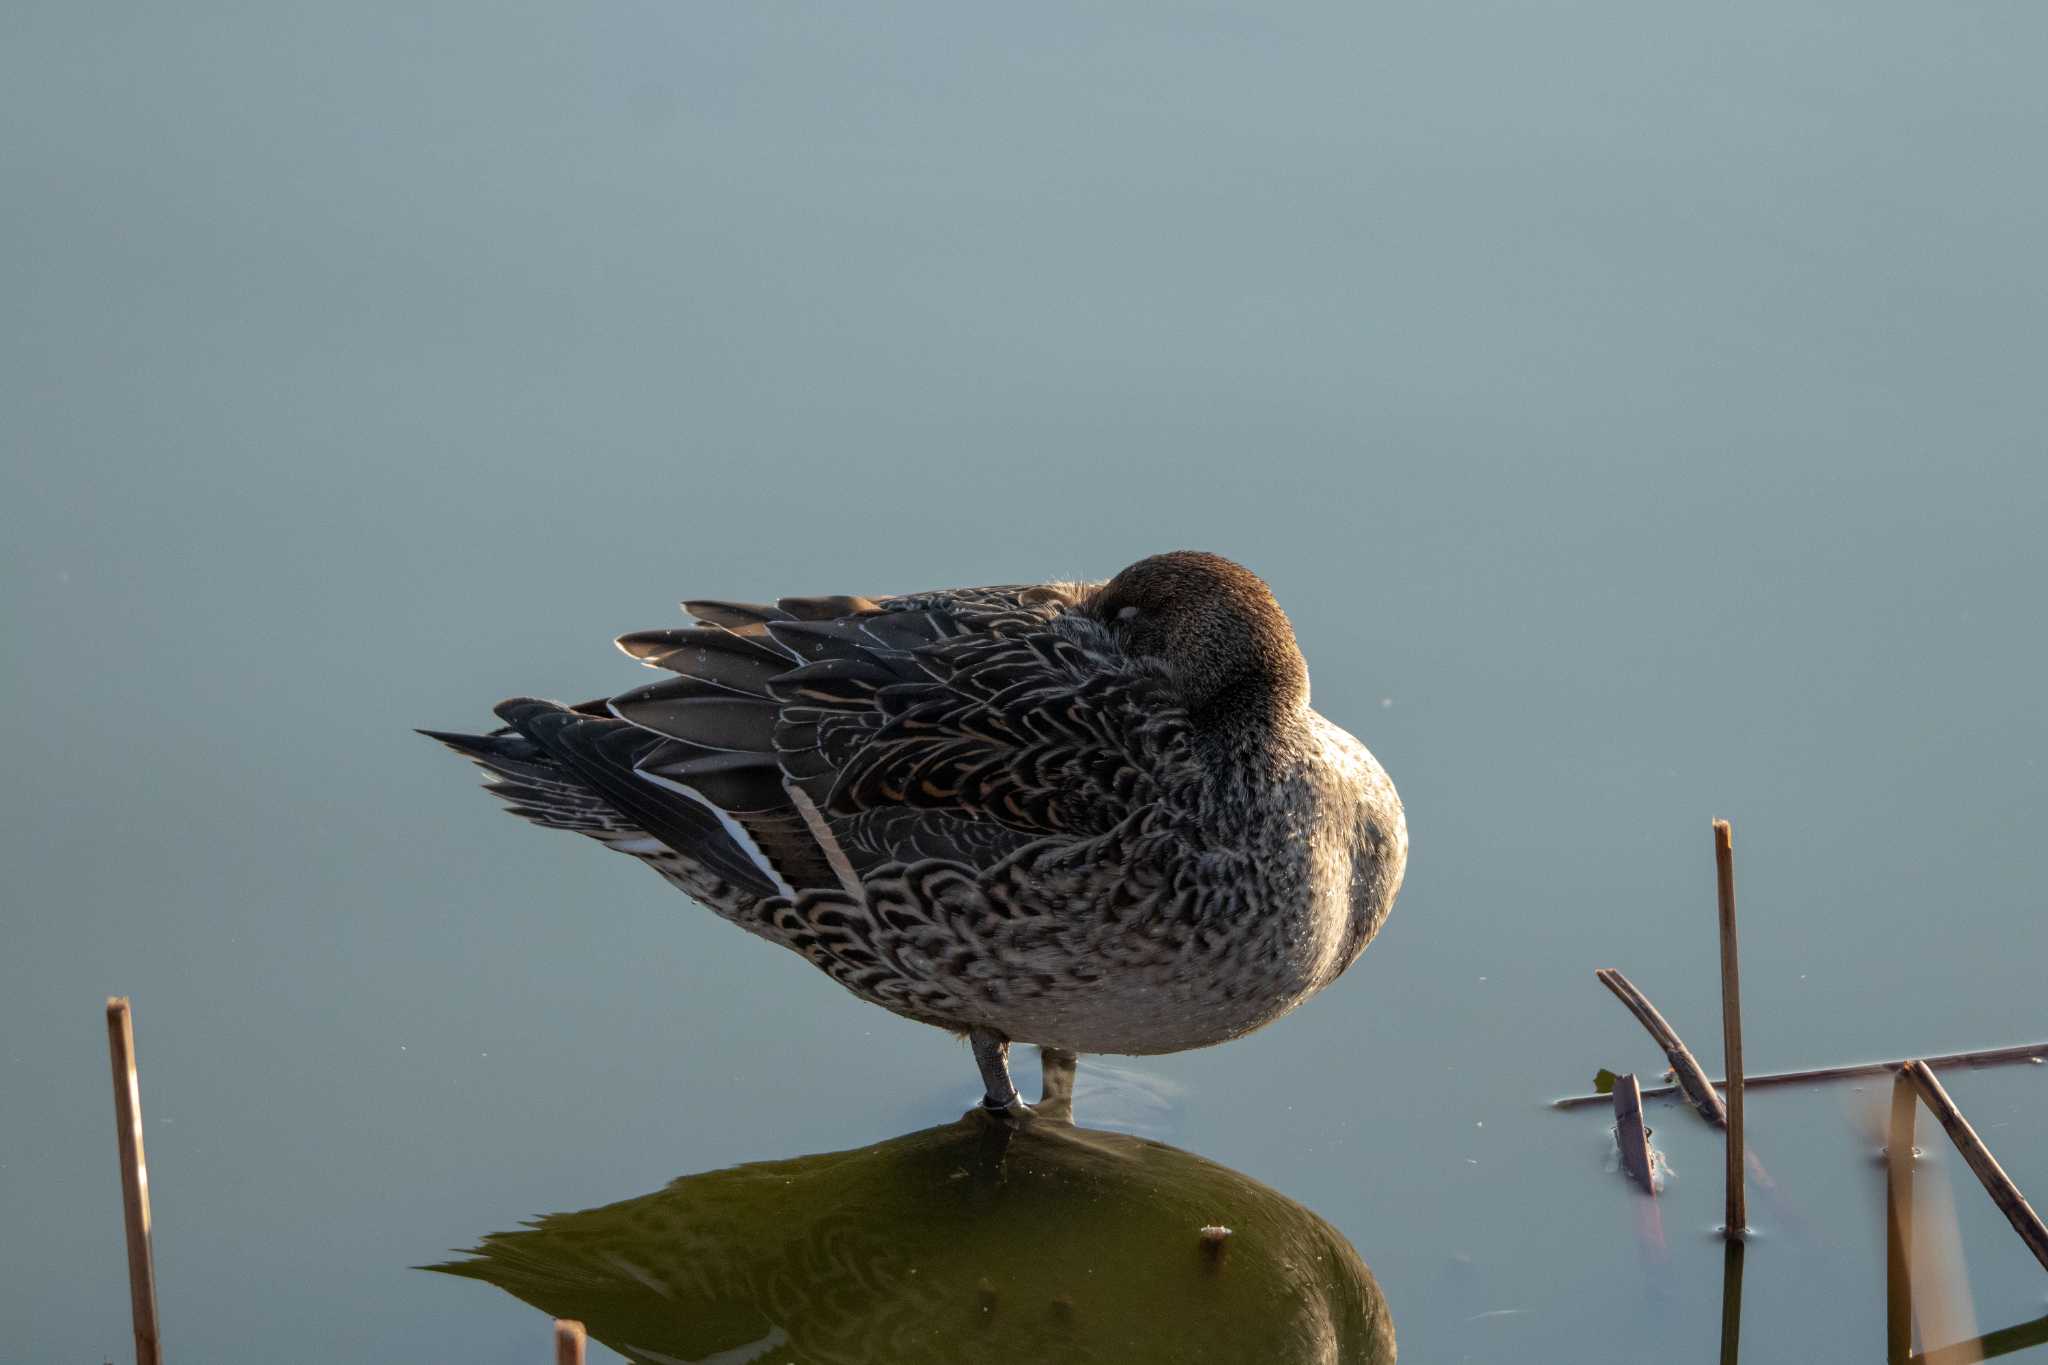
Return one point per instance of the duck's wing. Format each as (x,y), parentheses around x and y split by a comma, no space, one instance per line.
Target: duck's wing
(959,725)
(575,768)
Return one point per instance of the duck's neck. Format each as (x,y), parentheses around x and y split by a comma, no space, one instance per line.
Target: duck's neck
(1248,735)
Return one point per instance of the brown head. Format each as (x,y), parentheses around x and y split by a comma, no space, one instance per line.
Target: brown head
(1214,623)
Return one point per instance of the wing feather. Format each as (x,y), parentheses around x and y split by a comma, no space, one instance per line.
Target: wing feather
(958,726)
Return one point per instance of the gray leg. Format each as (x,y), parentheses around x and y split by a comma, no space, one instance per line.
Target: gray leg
(1057,1098)
(992,1055)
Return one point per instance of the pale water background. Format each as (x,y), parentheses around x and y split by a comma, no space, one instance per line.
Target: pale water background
(1640,411)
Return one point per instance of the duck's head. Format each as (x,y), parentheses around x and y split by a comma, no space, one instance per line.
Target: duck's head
(1224,640)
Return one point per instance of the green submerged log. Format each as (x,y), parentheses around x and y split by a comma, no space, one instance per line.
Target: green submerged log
(975,1241)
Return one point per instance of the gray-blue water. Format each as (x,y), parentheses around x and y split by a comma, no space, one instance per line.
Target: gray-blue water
(1639,411)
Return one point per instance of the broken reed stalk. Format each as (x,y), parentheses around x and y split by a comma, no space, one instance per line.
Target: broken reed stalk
(1692,1079)
(134,1180)
(1990,1174)
(569,1339)
(1898,1240)
(2025,1052)
(1731,1026)
(1629,1133)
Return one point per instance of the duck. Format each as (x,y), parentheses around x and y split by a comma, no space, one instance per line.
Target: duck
(1094,816)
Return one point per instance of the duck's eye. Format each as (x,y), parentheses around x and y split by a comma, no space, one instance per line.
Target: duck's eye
(1126,613)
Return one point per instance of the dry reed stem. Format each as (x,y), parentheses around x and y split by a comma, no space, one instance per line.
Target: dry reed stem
(1629,1134)
(2024,1052)
(1731,1026)
(1692,1078)
(1990,1174)
(134,1181)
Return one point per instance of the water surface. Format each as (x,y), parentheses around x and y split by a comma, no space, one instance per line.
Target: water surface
(1638,412)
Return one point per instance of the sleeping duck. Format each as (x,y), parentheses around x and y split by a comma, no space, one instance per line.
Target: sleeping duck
(1098,817)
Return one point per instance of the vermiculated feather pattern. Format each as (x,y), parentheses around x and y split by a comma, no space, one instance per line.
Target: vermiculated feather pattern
(1098,817)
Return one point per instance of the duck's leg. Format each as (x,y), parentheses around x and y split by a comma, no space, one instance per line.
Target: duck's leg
(1056,1100)
(992,1055)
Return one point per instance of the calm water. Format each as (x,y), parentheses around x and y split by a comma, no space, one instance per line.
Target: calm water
(1638,411)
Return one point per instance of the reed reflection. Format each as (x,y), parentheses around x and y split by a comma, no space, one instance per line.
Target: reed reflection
(983,1239)
(1926,1291)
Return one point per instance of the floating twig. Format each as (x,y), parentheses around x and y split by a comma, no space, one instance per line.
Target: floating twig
(1629,1134)
(1989,1173)
(134,1181)
(1731,1026)
(569,1341)
(2024,1052)
(1692,1079)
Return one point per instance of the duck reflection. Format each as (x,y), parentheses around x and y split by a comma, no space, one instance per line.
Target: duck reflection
(985,1240)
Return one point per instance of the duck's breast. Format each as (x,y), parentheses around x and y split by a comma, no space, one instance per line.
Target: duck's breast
(1361,844)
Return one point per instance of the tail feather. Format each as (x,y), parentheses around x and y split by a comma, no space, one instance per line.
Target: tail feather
(701,763)
(568,769)
(740,658)
(536,787)
(604,753)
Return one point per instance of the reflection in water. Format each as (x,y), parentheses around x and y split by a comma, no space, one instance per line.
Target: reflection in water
(1922,1272)
(1731,1302)
(977,1240)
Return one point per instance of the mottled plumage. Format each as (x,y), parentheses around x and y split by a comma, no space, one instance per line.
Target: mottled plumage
(1096,817)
